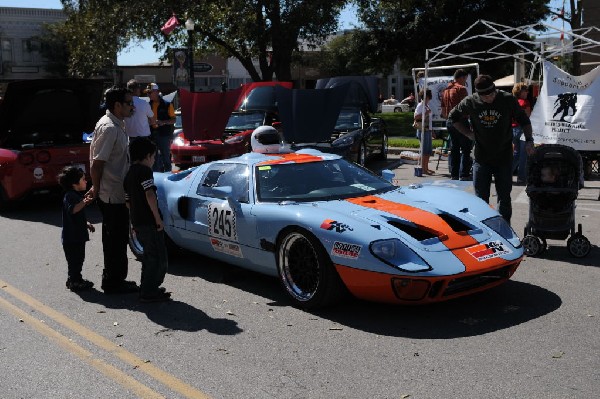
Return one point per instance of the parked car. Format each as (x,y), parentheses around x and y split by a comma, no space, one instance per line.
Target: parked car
(336,117)
(397,106)
(212,130)
(325,226)
(42,127)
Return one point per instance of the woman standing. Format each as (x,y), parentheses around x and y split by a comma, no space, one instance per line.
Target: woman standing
(426,135)
(520,91)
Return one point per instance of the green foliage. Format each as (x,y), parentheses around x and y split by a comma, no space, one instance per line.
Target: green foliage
(405,28)
(398,123)
(267,30)
(54,49)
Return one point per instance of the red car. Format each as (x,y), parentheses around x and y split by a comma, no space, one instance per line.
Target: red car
(41,130)
(212,130)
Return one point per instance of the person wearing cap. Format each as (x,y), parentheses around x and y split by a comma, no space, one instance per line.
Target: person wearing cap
(138,124)
(459,160)
(162,130)
(491,113)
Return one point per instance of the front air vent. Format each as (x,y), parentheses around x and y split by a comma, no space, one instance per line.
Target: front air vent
(455,224)
(414,231)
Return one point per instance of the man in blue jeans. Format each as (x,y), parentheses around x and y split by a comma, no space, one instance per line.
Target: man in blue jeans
(459,161)
(491,113)
(162,131)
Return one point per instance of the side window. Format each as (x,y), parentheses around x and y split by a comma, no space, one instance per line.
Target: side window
(225,174)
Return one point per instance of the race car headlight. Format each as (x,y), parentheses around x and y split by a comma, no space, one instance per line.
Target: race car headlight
(234,139)
(178,141)
(500,226)
(396,254)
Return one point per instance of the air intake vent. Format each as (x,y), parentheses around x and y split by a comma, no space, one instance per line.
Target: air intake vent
(454,223)
(413,231)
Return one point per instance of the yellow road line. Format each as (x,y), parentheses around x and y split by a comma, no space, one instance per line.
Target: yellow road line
(112,372)
(165,378)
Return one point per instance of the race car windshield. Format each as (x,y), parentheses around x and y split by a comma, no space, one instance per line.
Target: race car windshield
(348,120)
(316,181)
(241,121)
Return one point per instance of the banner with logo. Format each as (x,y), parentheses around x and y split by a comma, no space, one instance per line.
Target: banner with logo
(437,85)
(566,111)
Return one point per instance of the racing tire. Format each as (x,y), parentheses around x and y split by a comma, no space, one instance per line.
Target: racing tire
(579,246)
(306,271)
(361,157)
(532,245)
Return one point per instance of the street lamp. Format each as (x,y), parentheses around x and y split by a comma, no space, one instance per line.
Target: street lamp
(189,26)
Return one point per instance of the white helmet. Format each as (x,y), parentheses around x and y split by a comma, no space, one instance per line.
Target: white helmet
(266,140)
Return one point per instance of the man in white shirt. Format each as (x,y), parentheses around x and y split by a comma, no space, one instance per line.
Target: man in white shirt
(138,124)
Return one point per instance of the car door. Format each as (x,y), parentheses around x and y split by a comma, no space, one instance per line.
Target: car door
(221,225)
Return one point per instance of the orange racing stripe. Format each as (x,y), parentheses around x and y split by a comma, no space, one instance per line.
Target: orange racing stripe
(291,158)
(456,242)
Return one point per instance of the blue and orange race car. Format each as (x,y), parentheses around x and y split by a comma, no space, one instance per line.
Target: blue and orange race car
(326,226)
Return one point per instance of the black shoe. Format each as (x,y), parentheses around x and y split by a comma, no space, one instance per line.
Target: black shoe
(123,287)
(160,297)
(79,285)
(454,178)
(466,178)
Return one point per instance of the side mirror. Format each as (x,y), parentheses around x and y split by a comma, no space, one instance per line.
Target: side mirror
(388,175)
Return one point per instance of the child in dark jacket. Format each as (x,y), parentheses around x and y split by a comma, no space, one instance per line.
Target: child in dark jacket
(140,197)
(75,225)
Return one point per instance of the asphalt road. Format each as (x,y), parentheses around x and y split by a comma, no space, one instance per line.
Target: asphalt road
(229,333)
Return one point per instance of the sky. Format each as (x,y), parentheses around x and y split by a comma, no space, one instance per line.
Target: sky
(143,53)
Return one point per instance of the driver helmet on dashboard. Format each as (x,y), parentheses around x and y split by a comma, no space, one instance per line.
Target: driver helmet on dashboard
(266,140)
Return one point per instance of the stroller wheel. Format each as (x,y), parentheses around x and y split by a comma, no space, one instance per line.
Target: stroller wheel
(579,246)
(532,245)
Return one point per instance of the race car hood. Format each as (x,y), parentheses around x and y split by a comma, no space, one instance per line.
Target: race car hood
(49,111)
(363,90)
(309,116)
(204,115)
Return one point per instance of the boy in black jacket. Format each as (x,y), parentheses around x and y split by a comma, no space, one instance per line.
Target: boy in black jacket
(75,225)
(140,197)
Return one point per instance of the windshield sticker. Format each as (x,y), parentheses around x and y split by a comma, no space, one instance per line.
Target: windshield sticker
(264,167)
(345,250)
(363,187)
(487,251)
(228,248)
(221,221)
(335,225)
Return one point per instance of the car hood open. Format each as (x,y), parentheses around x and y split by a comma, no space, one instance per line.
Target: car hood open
(309,116)
(363,90)
(49,112)
(261,99)
(204,115)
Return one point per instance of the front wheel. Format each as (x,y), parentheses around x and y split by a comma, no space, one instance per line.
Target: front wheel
(579,246)
(306,271)
(532,245)
(138,249)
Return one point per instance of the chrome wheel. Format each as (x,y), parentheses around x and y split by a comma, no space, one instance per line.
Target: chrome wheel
(306,271)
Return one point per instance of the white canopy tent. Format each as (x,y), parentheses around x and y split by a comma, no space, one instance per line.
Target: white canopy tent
(526,46)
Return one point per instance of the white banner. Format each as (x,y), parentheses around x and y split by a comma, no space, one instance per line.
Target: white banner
(437,85)
(566,112)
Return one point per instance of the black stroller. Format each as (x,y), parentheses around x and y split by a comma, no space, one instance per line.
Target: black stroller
(554,175)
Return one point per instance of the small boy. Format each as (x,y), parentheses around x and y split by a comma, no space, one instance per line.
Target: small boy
(140,197)
(75,225)
(549,174)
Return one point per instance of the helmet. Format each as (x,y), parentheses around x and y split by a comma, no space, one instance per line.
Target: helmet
(266,140)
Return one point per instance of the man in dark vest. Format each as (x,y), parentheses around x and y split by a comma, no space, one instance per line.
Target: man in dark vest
(162,131)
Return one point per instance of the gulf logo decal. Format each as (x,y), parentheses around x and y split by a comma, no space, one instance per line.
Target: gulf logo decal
(487,251)
(292,158)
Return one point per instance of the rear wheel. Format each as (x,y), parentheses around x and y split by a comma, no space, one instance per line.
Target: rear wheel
(138,249)
(306,271)
(579,246)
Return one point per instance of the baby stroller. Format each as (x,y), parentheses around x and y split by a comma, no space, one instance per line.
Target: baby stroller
(553,180)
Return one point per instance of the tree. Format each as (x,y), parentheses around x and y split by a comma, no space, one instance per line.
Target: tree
(269,31)
(405,28)
(54,49)
(573,18)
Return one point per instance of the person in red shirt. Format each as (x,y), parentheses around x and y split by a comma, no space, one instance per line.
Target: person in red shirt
(459,161)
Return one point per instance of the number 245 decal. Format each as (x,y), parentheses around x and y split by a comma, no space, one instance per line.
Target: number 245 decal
(221,222)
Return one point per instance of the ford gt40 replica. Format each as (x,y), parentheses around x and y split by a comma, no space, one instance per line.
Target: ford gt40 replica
(42,126)
(326,226)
